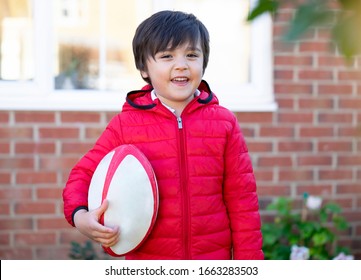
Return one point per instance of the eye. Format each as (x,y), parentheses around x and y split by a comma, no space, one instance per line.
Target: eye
(164,56)
(193,55)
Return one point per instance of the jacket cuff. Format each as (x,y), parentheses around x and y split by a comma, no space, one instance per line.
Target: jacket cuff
(76,210)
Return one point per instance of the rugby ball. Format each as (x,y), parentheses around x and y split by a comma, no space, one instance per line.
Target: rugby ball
(126,179)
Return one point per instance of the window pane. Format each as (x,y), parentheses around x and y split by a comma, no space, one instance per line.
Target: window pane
(93,43)
(16,40)
(229,37)
(77,44)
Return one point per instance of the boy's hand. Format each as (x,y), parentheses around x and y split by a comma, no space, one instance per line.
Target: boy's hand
(88,224)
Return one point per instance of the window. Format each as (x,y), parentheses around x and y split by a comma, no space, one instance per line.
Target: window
(77,54)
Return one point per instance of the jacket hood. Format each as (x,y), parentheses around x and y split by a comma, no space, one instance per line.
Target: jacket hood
(141,99)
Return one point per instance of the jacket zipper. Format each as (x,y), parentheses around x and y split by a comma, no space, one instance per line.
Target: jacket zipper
(184,189)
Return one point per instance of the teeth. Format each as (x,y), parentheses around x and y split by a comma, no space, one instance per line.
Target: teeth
(180,79)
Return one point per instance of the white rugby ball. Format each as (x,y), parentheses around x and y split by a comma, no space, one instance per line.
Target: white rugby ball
(126,179)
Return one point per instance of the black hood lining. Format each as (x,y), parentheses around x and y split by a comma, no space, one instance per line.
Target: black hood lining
(203,85)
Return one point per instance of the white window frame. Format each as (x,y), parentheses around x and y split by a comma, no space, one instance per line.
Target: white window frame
(40,94)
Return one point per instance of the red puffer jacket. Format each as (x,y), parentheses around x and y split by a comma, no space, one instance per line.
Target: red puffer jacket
(208,202)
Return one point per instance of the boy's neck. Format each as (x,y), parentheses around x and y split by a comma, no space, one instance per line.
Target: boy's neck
(176,110)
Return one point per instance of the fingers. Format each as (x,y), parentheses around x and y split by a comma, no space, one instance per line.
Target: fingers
(105,235)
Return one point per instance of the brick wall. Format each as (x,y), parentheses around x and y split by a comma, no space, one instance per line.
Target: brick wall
(312,143)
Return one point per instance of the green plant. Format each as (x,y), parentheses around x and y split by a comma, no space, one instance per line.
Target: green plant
(313,228)
(84,252)
(343,17)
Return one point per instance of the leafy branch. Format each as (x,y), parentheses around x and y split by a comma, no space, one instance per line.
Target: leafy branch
(343,17)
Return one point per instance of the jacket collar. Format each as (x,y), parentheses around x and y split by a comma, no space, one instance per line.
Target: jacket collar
(141,99)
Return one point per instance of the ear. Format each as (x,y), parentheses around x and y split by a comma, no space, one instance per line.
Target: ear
(144,74)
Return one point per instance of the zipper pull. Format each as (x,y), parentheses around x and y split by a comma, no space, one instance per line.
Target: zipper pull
(180,124)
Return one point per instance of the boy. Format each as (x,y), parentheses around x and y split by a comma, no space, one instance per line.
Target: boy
(208,202)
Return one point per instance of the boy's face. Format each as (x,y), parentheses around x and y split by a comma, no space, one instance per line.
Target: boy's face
(176,74)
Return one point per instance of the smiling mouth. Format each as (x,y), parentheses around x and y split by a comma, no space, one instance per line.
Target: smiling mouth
(180,79)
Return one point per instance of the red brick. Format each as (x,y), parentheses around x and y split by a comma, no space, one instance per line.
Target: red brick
(295,175)
(290,60)
(349,160)
(286,103)
(349,131)
(277,131)
(59,133)
(341,117)
(335,89)
(248,132)
(351,75)
(16,133)
(5,177)
(15,193)
(344,203)
(295,117)
(263,175)
(335,146)
(284,16)
(280,46)
(35,148)
(292,88)
(49,193)
(254,117)
(284,74)
(315,47)
(4,148)
(316,160)
(56,253)
(4,117)
(11,223)
(257,147)
(34,208)
(315,75)
(80,117)
(316,132)
(316,103)
(4,208)
(35,177)
(78,148)
(332,174)
(332,61)
(4,239)
(52,223)
(24,239)
(93,132)
(348,189)
(295,146)
(311,189)
(358,230)
(55,163)
(273,190)
(270,161)
(351,103)
(35,117)
(17,163)
(16,253)
(279,30)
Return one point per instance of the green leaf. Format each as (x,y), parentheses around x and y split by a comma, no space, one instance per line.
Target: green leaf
(346,34)
(262,7)
(322,237)
(308,15)
(340,222)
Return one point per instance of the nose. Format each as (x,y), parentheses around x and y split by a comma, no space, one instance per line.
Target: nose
(181,63)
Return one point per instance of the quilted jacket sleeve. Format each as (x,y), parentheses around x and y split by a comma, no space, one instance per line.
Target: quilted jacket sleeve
(75,193)
(241,198)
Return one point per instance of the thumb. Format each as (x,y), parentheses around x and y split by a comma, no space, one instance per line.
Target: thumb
(100,211)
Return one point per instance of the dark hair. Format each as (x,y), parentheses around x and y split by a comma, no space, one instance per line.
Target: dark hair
(168,29)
